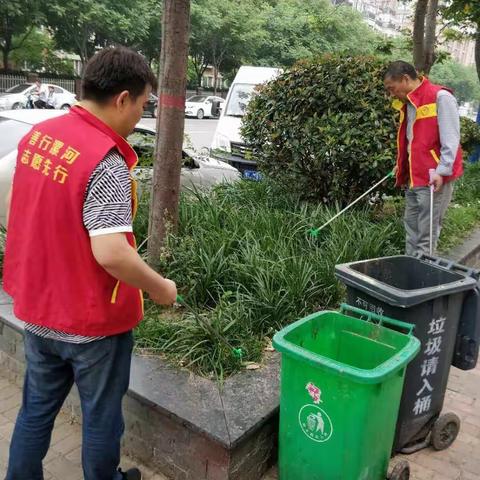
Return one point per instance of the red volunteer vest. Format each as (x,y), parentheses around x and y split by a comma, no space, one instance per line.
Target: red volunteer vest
(49,267)
(413,167)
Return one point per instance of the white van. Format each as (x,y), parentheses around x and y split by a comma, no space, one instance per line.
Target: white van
(227,144)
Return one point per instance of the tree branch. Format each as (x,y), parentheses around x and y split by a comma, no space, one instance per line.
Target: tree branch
(477,50)
(22,41)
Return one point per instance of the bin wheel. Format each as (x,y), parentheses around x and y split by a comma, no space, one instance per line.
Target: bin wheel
(401,471)
(445,431)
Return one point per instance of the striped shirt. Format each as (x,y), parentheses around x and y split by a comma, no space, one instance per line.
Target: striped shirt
(107,209)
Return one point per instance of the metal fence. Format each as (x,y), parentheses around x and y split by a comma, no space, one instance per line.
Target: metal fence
(67,83)
(8,80)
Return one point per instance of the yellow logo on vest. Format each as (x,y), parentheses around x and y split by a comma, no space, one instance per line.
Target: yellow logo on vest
(427,111)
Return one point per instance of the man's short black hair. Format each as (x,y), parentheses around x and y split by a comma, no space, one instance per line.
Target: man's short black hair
(396,70)
(113,70)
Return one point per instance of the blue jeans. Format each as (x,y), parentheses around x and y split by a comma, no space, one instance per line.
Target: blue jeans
(101,371)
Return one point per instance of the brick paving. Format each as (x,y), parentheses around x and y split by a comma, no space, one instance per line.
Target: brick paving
(460,462)
(63,459)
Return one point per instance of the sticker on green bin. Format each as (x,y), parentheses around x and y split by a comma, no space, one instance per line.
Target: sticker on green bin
(314,392)
(314,421)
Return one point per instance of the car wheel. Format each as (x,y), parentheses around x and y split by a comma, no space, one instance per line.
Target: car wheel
(66,106)
(155,112)
(17,106)
(200,114)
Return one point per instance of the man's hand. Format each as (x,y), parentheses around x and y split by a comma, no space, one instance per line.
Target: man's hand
(437,181)
(166,294)
(114,253)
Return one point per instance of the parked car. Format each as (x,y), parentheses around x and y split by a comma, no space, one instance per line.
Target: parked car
(202,106)
(17,97)
(152,106)
(199,171)
(228,145)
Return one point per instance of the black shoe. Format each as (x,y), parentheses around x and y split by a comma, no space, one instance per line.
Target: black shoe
(132,474)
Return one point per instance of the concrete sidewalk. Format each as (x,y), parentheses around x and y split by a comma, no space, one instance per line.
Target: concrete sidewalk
(460,462)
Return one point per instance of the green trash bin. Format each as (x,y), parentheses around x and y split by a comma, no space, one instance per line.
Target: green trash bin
(341,382)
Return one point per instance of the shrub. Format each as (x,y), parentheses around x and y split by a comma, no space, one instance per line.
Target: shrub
(470,131)
(325,128)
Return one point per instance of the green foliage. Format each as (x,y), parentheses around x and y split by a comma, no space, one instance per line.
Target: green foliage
(463,12)
(396,48)
(81,26)
(300,29)
(148,40)
(465,15)
(467,188)
(461,79)
(464,213)
(17,20)
(38,52)
(244,262)
(224,33)
(325,129)
(470,132)
(461,220)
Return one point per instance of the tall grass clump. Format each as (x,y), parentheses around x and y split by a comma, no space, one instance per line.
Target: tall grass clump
(245,263)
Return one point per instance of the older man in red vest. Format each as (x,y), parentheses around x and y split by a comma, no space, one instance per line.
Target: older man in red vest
(428,139)
(72,268)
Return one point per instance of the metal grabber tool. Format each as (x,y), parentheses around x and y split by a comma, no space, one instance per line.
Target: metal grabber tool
(315,231)
(432,192)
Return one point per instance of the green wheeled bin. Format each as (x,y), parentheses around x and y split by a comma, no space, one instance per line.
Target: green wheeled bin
(341,382)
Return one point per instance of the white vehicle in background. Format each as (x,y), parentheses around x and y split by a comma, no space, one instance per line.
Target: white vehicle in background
(17,97)
(198,170)
(202,106)
(228,145)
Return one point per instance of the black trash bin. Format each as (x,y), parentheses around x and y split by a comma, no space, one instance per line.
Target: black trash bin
(424,292)
(467,345)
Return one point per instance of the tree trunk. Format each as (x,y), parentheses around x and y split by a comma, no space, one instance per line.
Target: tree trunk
(170,125)
(199,82)
(6,62)
(215,79)
(430,36)
(477,50)
(6,49)
(419,34)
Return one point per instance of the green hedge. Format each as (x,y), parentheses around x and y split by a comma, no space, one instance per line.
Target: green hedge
(470,135)
(325,128)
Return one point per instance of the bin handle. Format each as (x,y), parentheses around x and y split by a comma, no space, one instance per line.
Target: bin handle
(449,265)
(380,319)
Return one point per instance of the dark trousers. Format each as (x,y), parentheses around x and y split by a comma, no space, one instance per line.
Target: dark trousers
(101,371)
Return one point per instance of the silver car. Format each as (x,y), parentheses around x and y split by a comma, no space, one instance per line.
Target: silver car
(199,171)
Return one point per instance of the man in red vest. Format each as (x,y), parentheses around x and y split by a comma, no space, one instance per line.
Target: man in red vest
(428,139)
(72,268)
